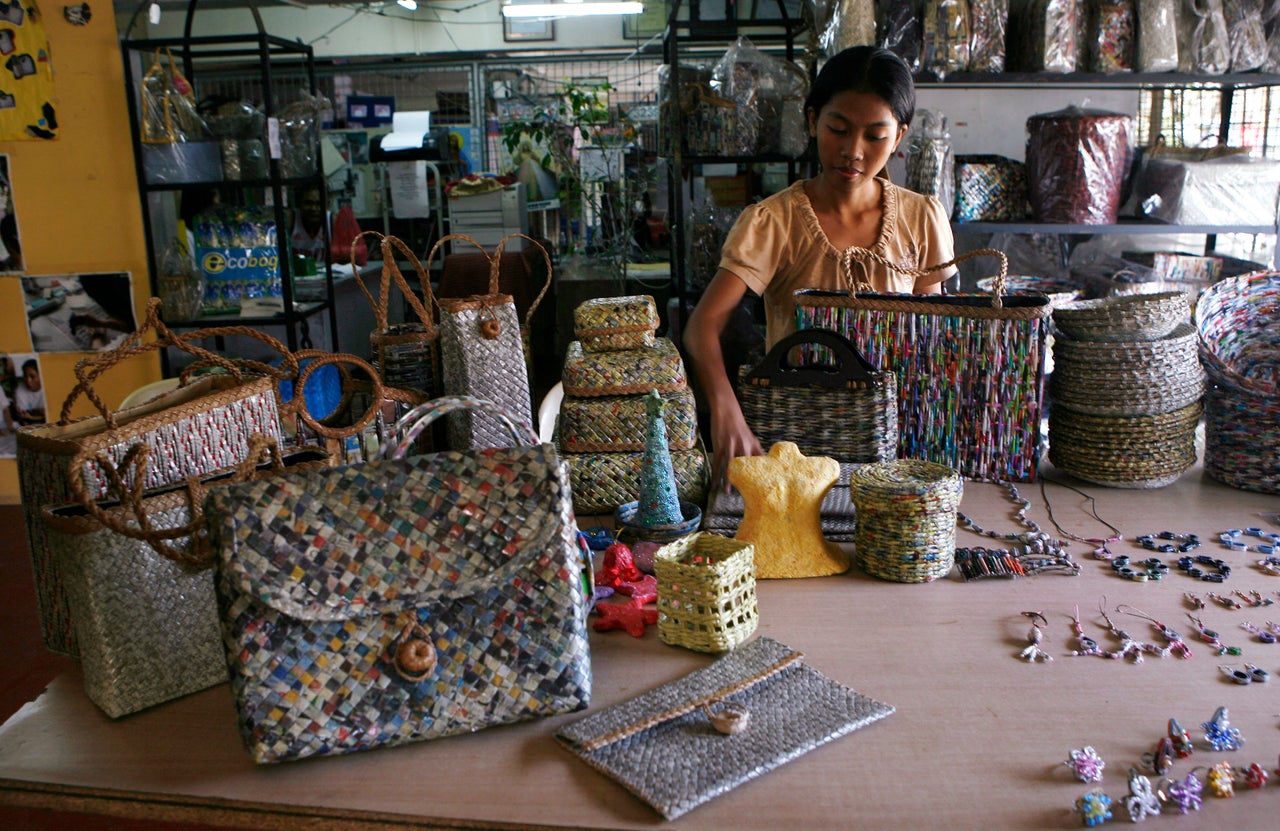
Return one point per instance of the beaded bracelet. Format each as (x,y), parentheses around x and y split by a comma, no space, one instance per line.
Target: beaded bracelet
(1155,569)
(1189,565)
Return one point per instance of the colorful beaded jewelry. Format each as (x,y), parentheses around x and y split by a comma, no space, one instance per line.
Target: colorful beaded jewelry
(1159,760)
(1225,602)
(1182,744)
(1141,801)
(1038,551)
(1254,776)
(1212,638)
(1129,647)
(1094,808)
(1174,644)
(1086,764)
(1254,598)
(1103,551)
(1263,634)
(1240,676)
(1152,568)
(1194,600)
(1186,794)
(1086,645)
(1034,652)
(1222,780)
(1191,566)
(1219,734)
(1164,542)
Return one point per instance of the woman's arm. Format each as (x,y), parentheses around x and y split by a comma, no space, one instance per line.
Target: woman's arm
(730,436)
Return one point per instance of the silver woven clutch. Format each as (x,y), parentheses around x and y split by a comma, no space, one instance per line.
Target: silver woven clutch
(689,741)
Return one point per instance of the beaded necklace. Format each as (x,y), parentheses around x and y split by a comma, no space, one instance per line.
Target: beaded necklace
(1037,551)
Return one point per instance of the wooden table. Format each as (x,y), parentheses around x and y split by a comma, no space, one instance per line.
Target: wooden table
(978,739)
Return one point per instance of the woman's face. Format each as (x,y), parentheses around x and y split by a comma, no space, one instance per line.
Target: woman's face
(857,133)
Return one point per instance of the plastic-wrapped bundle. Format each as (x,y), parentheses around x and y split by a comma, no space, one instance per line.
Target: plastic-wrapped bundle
(1051,32)
(767,102)
(847,23)
(1111,28)
(1158,35)
(694,112)
(300,135)
(899,30)
(988,22)
(1271,28)
(1245,36)
(931,164)
(1203,46)
(946,36)
(1077,161)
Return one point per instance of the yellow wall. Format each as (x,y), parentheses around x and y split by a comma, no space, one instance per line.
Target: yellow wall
(77,201)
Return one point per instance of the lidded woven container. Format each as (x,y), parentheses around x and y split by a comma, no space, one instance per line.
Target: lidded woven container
(626,372)
(611,423)
(1238,324)
(906,528)
(1077,161)
(600,482)
(612,323)
(706,592)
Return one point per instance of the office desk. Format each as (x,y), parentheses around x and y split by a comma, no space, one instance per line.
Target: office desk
(977,741)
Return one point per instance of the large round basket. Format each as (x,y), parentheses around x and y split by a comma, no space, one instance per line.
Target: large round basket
(1127,378)
(906,529)
(1139,452)
(1238,323)
(1128,317)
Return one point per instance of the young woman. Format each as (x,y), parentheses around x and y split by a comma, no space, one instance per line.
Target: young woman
(858,110)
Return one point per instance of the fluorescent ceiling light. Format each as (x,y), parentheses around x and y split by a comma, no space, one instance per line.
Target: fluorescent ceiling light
(411,5)
(569,8)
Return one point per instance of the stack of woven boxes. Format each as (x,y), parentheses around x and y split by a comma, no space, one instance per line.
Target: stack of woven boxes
(616,361)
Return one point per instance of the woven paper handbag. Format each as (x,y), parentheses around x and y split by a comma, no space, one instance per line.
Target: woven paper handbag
(483,352)
(1238,324)
(610,323)
(990,189)
(700,736)
(418,597)
(199,428)
(146,622)
(407,355)
(603,481)
(613,423)
(906,519)
(970,367)
(706,592)
(847,410)
(627,372)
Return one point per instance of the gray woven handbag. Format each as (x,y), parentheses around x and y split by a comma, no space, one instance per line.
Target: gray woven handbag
(702,735)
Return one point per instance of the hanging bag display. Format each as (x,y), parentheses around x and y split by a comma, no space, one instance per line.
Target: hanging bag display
(482,347)
(847,410)
(196,429)
(410,597)
(970,368)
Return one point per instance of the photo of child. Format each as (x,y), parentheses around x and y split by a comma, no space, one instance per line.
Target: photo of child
(22,399)
(78,312)
(10,246)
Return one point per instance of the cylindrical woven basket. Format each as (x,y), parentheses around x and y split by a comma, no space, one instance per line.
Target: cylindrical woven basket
(1117,378)
(706,592)
(906,519)
(1149,451)
(1238,323)
(1125,317)
(607,324)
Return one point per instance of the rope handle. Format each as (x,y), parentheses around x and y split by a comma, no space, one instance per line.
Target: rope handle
(127,483)
(495,261)
(391,272)
(855,252)
(316,358)
(88,370)
(412,423)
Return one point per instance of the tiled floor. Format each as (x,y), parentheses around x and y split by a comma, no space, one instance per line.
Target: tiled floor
(26,667)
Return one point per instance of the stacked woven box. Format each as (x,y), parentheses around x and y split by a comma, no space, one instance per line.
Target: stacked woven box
(1125,396)
(616,361)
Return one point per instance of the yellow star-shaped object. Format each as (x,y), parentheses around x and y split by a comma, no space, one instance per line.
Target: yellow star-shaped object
(782,497)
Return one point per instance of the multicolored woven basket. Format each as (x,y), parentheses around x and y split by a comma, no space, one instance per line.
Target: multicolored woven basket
(1238,323)
(612,323)
(706,592)
(626,372)
(906,519)
(613,423)
(600,482)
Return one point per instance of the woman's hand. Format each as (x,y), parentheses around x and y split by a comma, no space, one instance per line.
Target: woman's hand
(730,438)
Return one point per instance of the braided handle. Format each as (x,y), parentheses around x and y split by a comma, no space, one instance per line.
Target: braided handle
(546,258)
(855,252)
(412,423)
(391,272)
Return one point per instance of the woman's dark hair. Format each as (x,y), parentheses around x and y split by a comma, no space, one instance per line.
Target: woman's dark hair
(866,69)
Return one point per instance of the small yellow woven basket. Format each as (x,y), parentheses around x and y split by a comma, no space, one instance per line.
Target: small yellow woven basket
(706,592)
(608,324)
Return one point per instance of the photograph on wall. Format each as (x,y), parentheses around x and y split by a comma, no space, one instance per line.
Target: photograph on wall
(79,312)
(22,399)
(10,247)
(26,80)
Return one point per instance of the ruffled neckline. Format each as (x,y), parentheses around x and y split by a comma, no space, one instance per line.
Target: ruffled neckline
(888,220)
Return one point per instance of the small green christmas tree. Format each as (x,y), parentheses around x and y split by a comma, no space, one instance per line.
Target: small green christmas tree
(659,499)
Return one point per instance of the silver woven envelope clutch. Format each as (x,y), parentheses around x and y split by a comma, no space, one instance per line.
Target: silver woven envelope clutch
(702,735)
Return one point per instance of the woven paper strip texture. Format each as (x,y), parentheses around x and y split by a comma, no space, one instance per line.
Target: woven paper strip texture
(611,323)
(147,626)
(906,519)
(1238,323)
(629,372)
(970,376)
(990,189)
(838,515)
(668,754)
(322,572)
(1144,451)
(615,423)
(491,369)
(197,429)
(602,481)
(706,592)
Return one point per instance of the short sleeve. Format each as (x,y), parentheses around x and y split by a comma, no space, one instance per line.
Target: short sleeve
(939,244)
(755,248)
